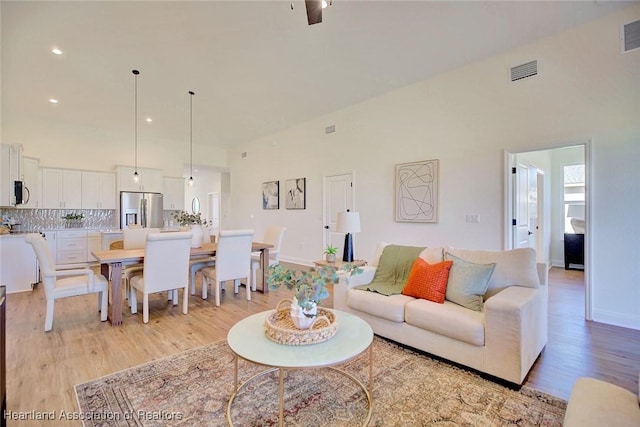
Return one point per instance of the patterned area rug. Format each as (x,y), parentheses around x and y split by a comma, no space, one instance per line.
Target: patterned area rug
(410,389)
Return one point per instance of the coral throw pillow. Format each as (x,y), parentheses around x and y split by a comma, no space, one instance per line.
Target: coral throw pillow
(428,281)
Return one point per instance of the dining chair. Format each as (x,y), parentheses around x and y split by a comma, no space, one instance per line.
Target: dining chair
(134,238)
(272,235)
(60,283)
(233,262)
(166,268)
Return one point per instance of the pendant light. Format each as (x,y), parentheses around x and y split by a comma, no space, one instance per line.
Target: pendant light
(191,93)
(136,177)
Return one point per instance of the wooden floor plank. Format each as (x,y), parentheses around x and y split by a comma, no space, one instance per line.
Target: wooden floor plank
(42,368)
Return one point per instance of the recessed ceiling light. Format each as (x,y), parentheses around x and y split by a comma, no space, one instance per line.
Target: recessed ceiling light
(148,119)
(53,100)
(56,51)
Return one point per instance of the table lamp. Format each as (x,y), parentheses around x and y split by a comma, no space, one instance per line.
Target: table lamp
(348,222)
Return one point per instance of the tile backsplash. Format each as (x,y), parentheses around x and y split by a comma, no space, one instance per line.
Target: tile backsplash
(49,219)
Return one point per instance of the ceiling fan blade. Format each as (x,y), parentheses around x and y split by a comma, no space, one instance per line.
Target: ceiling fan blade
(314,11)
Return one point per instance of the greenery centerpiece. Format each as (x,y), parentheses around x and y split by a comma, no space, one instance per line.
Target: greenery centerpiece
(310,287)
(186,219)
(195,222)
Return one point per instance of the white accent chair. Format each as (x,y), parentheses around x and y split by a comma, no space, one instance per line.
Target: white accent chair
(82,281)
(273,235)
(166,268)
(233,262)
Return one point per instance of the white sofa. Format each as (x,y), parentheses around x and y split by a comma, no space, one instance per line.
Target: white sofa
(503,340)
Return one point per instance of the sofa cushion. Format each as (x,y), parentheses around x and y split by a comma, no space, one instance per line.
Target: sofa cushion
(468,282)
(387,307)
(513,267)
(428,281)
(432,255)
(448,319)
(393,269)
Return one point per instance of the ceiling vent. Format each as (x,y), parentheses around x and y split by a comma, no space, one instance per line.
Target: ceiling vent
(631,36)
(523,71)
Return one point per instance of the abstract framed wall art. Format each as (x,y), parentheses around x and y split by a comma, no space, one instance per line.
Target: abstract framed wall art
(416,188)
(271,195)
(296,193)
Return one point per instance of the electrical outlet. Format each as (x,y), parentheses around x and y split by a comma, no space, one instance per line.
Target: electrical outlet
(473,219)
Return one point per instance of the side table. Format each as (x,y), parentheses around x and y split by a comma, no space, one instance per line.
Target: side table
(339,263)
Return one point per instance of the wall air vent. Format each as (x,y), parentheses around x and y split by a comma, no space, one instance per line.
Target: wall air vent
(525,70)
(631,36)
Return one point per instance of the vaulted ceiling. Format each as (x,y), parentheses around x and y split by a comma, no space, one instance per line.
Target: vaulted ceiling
(256,67)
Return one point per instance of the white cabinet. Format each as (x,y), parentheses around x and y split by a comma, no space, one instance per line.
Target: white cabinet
(9,172)
(61,189)
(98,190)
(173,194)
(31,188)
(150,179)
(94,243)
(71,246)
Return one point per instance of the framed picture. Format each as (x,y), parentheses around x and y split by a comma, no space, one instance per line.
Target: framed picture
(416,188)
(296,193)
(271,195)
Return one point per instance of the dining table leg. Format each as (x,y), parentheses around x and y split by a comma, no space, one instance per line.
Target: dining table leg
(115,306)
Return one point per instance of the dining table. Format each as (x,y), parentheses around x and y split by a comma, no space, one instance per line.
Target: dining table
(113,260)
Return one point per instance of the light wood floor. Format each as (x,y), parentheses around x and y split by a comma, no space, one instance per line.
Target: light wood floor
(42,368)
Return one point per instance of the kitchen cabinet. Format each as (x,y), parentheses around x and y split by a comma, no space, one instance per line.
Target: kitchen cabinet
(173,194)
(94,243)
(18,264)
(98,190)
(61,189)
(71,246)
(10,156)
(150,179)
(31,193)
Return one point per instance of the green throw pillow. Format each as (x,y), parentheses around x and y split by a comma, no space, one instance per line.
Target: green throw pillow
(468,282)
(393,269)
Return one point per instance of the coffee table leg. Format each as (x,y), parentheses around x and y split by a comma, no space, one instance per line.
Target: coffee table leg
(371,371)
(281,396)
(235,374)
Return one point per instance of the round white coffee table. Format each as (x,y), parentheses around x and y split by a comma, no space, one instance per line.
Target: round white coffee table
(248,341)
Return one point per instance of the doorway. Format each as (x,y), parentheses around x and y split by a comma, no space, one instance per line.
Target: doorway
(338,197)
(536,200)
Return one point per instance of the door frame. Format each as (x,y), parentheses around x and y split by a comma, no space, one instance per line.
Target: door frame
(509,200)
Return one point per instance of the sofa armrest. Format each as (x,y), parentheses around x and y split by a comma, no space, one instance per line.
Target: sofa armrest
(515,331)
(543,273)
(348,282)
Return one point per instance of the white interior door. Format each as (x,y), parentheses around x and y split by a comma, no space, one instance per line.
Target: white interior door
(525,206)
(338,197)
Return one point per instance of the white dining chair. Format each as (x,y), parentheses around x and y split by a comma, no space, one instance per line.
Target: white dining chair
(166,268)
(59,283)
(233,262)
(134,238)
(272,235)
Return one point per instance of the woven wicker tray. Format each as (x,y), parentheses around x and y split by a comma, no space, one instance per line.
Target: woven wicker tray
(279,327)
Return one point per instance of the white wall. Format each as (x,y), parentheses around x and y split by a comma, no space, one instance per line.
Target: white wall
(466,118)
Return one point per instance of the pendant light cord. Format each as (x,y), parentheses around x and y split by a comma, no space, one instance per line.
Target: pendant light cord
(191,93)
(135,118)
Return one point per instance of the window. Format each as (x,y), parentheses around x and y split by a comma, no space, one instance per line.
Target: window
(574,189)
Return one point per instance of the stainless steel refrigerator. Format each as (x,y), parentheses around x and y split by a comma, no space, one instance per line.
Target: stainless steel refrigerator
(144,209)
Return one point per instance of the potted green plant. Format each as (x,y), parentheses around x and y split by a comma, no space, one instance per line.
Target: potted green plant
(330,253)
(310,287)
